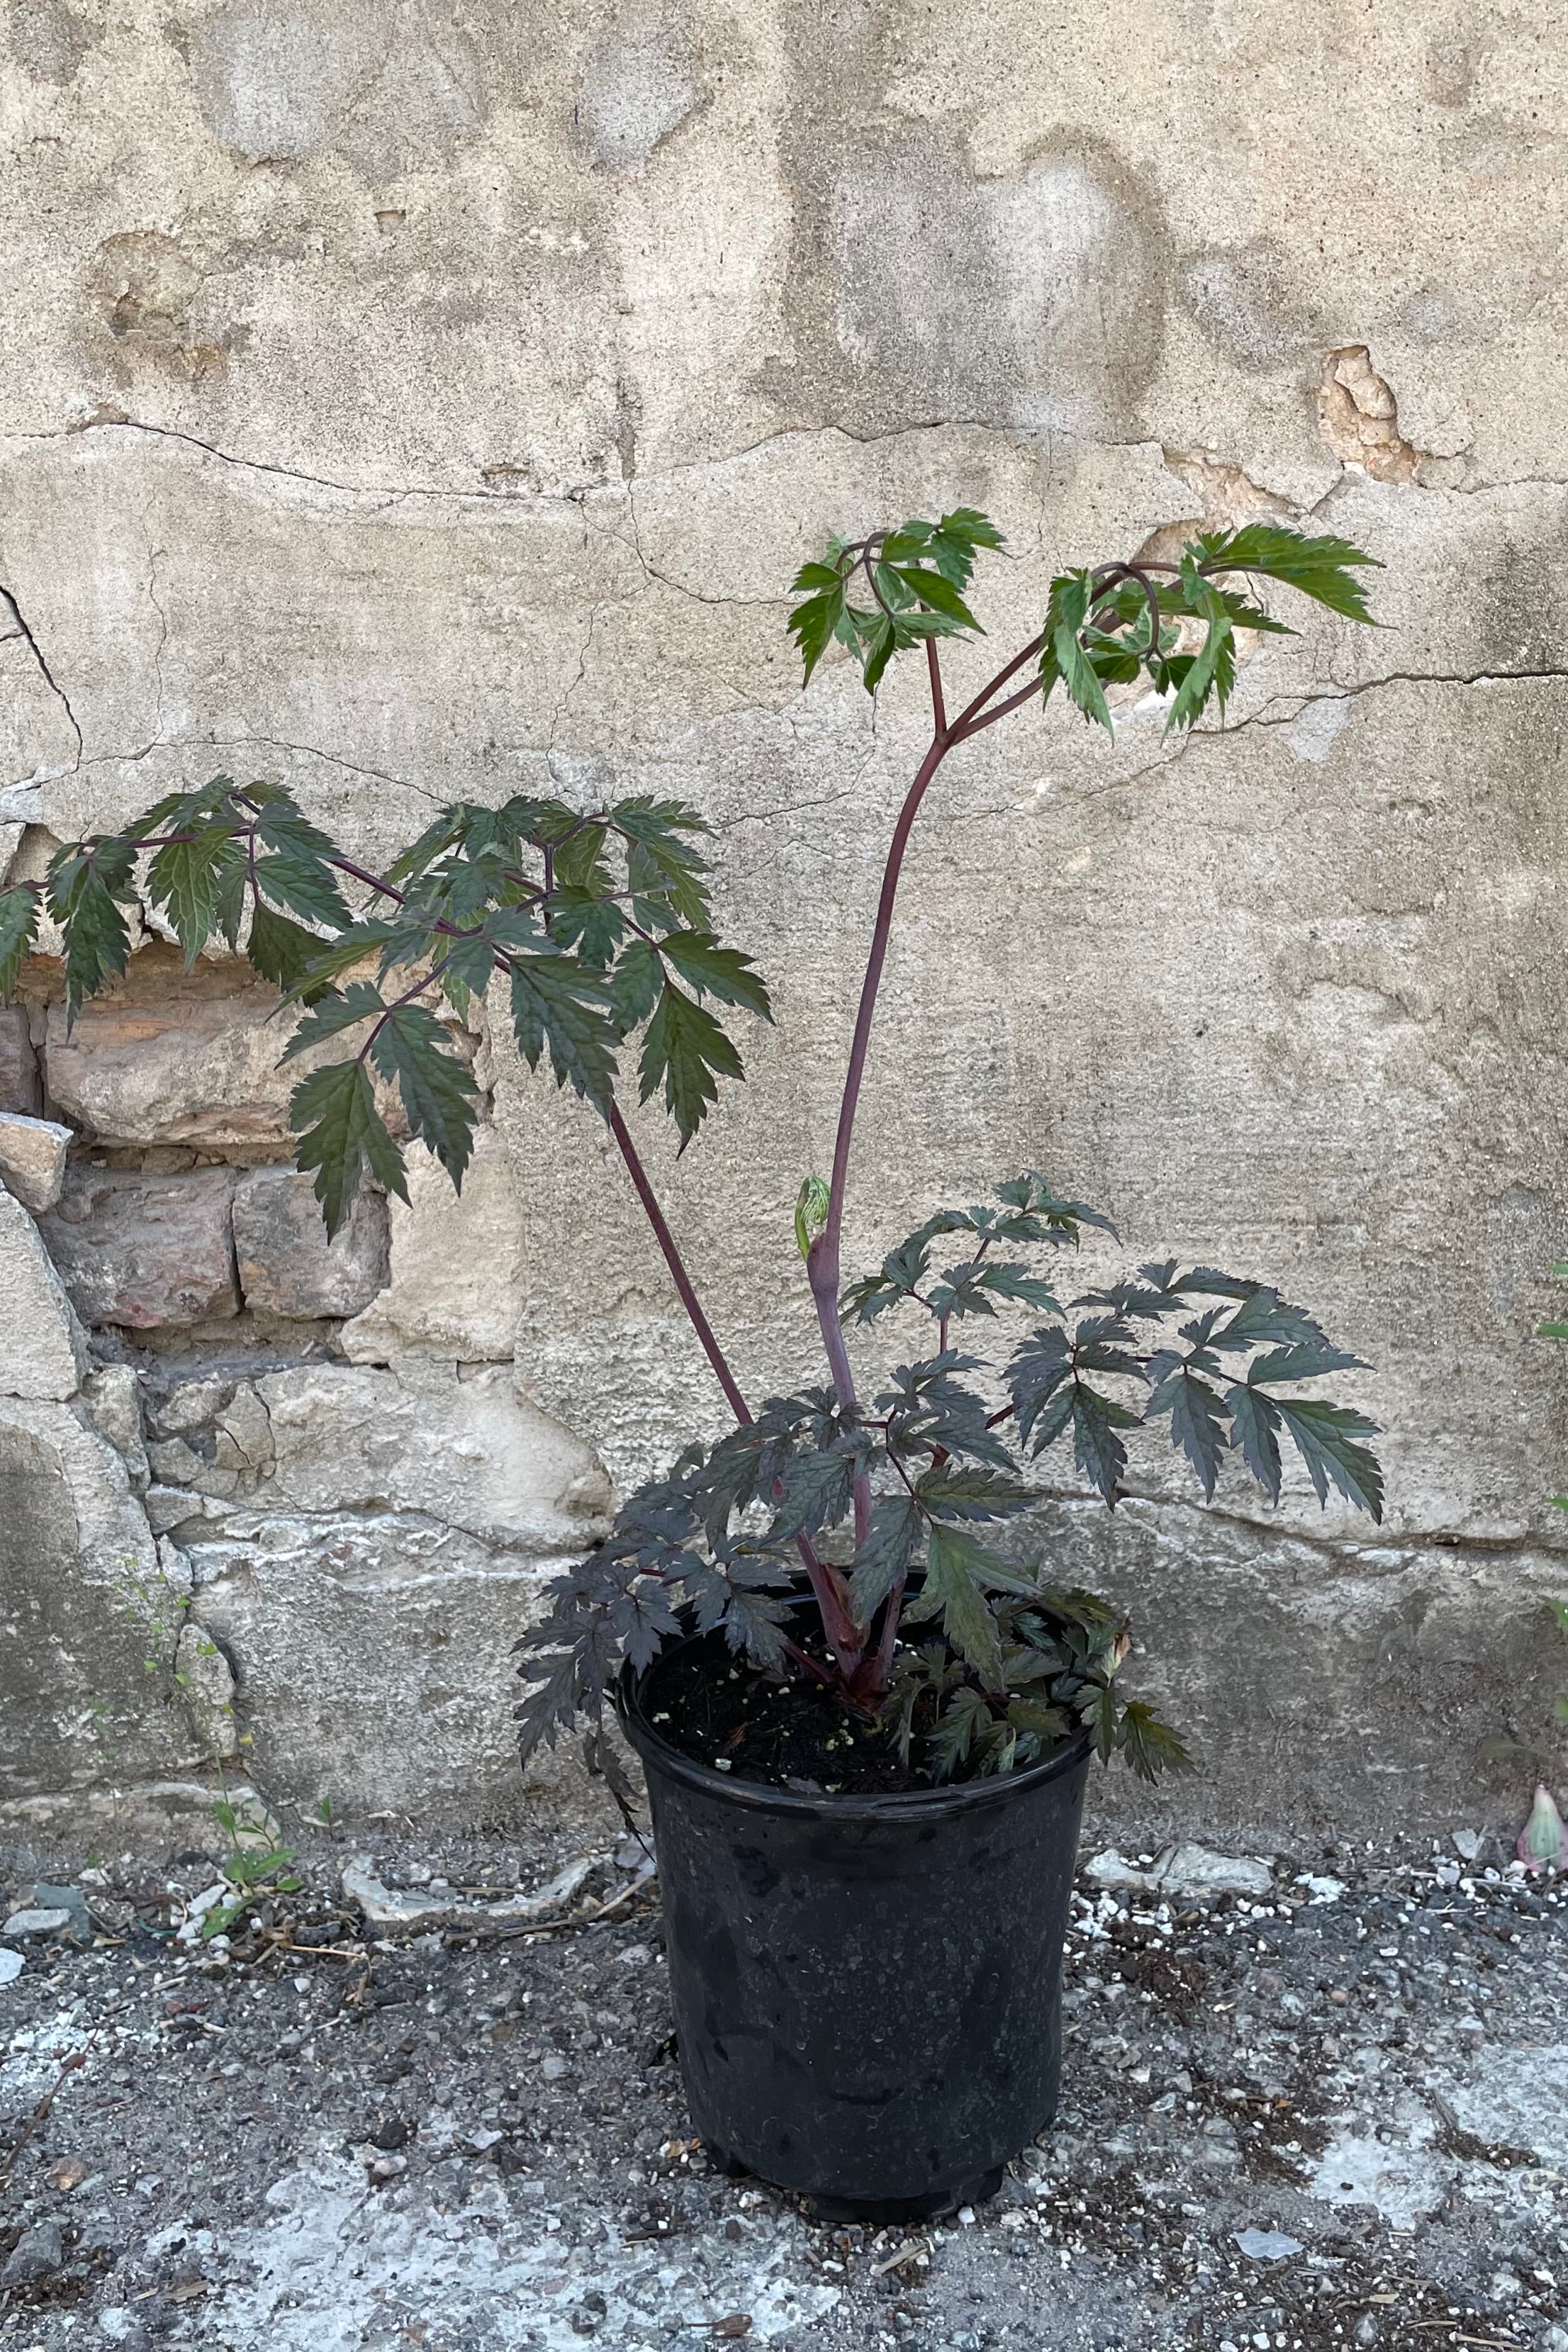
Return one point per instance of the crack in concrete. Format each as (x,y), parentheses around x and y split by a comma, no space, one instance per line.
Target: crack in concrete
(1335,692)
(1347,1548)
(388,493)
(270,742)
(651,571)
(154,556)
(385,493)
(333,758)
(23,629)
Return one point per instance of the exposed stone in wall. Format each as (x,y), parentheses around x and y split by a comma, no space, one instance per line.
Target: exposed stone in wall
(33,1160)
(453,1441)
(20,1092)
(169,1056)
(146,1251)
(423,1477)
(1360,419)
(376,1667)
(85,1606)
(45,1350)
(284,1262)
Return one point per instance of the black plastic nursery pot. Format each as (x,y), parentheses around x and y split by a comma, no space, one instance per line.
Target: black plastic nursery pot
(866,1989)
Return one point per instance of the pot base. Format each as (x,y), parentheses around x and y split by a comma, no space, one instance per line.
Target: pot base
(875,2212)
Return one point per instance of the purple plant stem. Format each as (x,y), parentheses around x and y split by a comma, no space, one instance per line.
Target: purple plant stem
(826,1584)
(672,1258)
(822,1266)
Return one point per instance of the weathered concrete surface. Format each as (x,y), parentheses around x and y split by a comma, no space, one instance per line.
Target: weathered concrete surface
(90,1615)
(455,1286)
(401,1698)
(1330,2113)
(442,411)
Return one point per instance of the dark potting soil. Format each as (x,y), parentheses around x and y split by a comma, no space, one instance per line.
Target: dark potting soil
(792,1734)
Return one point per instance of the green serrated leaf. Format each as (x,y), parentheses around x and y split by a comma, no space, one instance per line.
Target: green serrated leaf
(330,961)
(437,1089)
(467,969)
(957,538)
(86,883)
(1149,1746)
(280,949)
(685,1047)
(815,622)
(937,592)
(186,877)
(1329,1438)
(19,929)
(1254,1425)
(815,1490)
(336,1010)
(958,1726)
(658,823)
(595,927)
(1322,567)
(1099,1710)
(343,1138)
(951,1588)
(715,971)
(956,1490)
(635,988)
(1197,1422)
(884,1556)
(578,859)
(1097,1444)
(306,886)
(1063,656)
(555,1003)
(1212,671)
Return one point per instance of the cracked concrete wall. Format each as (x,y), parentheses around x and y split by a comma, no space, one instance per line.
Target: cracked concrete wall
(414,402)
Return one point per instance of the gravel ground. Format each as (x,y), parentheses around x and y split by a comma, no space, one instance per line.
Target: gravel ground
(340,2136)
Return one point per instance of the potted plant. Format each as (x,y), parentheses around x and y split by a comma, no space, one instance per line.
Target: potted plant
(864,1714)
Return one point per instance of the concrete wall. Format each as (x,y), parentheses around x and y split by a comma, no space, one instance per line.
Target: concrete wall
(404,401)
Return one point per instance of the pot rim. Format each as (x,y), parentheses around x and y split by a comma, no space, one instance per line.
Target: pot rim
(909,1805)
